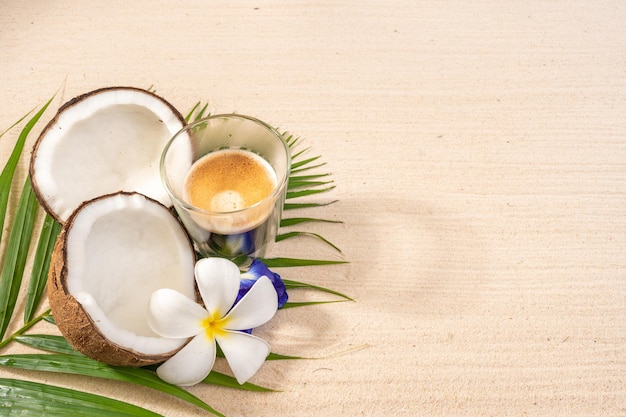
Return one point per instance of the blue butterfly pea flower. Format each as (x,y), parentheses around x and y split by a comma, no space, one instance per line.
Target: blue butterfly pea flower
(257,270)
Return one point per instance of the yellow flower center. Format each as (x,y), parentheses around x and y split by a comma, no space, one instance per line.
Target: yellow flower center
(214,324)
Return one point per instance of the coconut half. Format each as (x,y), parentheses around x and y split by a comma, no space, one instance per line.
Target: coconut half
(101,142)
(113,252)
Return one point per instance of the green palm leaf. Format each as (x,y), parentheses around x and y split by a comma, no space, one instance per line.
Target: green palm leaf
(291,262)
(279,357)
(43,316)
(15,258)
(6,177)
(297,220)
(293,304)
(293,178)
(295,183)
(217,378)
(21,231)
(81,365)
(307,168)
(300,164)
(295,206)
(192,111)
(290,139)
(25,399)
(58,344)
(303,193)
(291,284)
(197,112)
(50,343)
(301,186)
(15,124)
(41,264)
(289,235)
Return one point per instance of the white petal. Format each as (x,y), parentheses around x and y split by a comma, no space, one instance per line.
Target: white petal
(218,282)
(191,364)
(245,353)
(257,307)
(173,315)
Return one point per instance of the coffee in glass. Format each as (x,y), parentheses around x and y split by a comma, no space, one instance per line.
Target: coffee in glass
(227,177)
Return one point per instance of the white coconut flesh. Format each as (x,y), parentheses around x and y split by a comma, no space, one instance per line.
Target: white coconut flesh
(102,142)
(119,250)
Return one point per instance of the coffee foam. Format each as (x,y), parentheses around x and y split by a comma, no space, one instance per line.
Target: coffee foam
(228,200)
(230,180)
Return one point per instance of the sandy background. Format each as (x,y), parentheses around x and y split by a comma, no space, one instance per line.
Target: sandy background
(479,153)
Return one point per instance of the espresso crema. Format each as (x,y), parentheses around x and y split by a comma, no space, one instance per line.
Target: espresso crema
(229,180)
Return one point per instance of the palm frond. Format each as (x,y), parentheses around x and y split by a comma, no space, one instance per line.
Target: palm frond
(296,206)
(197,112)
(6,177)
(292,221)
(300,166)
(58,344)
(49,343)
(284,236)
(192,111)
(304,193)
(41,264)
(42,317)
(293,184)
(292,262)
(293,304)
(294,178)
(33,399)
(81,365)
(218,378)
(291,284)
(15,258)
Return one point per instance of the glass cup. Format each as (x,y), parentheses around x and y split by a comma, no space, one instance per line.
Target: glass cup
(238,232)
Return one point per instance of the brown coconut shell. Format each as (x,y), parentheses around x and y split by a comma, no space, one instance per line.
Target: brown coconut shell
(73,321)
(73,102)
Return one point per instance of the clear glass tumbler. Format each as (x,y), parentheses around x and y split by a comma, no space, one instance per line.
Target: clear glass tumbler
(239,231)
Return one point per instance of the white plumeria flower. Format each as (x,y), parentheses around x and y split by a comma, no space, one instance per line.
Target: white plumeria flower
(173,315)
